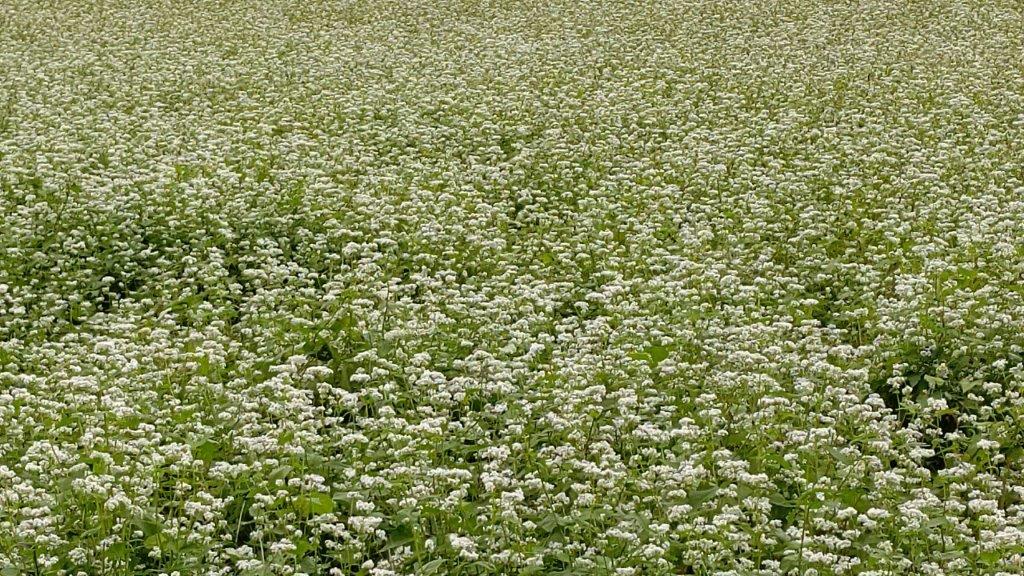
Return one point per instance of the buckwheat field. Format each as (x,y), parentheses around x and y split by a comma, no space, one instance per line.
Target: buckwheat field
(461,287)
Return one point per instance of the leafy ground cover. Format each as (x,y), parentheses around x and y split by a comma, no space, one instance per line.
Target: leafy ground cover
(529,287)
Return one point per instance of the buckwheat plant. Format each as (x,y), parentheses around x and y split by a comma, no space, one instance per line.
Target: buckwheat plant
(469,287)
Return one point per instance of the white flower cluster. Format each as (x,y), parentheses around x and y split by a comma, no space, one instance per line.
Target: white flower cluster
(596,287)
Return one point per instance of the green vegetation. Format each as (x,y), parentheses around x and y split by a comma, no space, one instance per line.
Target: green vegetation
(474,288)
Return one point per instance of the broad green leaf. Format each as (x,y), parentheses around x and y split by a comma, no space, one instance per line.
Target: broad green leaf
(698,497)
(432,566)
(314,504)
(967,385)
(657,353)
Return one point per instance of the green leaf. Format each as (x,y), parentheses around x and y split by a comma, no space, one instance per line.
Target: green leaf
(206,451)
(399,536)
(315,504)
(10,571)
(922,398)
(991,557)
(851,497)
(432,566)
(549,522)
(302,546)
(149,524)
(657,353)
(1014,456)
(565,521)
(934,380)
(840,456)
(937,522)
(968,385)
(280,472)
(789,562)
(117,550)
(698,497)
(321,503)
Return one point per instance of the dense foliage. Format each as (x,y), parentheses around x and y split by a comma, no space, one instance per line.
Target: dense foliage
(528,287)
